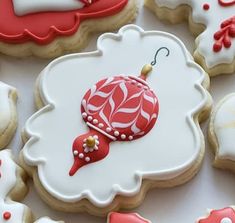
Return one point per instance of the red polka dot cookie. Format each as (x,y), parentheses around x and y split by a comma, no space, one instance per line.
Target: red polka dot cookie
(50,28)
(212,21)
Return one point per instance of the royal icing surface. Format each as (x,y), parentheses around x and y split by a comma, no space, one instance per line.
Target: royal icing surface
(49,19)
(47,220)
(225,215)
(217,43)
(10,211)
(224,128)
(5,109)
(126,218)
(180,97)
(23,7)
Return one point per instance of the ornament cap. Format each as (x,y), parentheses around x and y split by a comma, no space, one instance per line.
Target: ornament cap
(147,68)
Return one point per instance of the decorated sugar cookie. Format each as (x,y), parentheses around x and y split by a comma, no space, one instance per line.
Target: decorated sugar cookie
(224,215)
(50,28)
(115,217)
(222,133)
(118,120)
(12,179)
(214,23)
(13,187)
(8,117)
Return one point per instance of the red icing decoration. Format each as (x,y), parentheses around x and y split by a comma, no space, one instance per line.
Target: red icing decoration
(7,215)
(217,215)
(119,108)
(224,35)
(206,6)
(126,218)
(43,28)
(226,3)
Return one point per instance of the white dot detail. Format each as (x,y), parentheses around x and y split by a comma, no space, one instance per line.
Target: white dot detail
(108,129)
(84,114)
(95,121)
(226,220)
(101,125)
(116,133)
(87,159)
(89,118)
(75,152)
(81,155)
(123,136)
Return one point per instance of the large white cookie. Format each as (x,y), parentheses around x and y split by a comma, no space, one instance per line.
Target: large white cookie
(172,148)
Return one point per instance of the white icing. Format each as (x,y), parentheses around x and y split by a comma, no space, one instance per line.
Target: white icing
(167,151)
(46,220)
(5,109)
(226,220)
(212,20)
(23,7)
(224,127)
(8,181)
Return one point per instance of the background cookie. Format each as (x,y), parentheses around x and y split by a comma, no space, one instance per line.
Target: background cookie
(224,215)
(126,218)
(8,116)
(48,29)
(13,188)
(182,105)
(213,21)
(222,133)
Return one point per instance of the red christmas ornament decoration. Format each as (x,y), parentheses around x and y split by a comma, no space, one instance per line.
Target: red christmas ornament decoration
(120,108)
(225,215)
(226,2)
(224,35)
(126,218)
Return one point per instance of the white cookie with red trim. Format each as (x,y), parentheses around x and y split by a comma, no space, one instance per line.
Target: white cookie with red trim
(51,28)
(222,133)
(13,188)
(8,116)
(213,21)
(106,129)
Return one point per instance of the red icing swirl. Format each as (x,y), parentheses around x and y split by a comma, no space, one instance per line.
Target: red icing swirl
(43,28)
